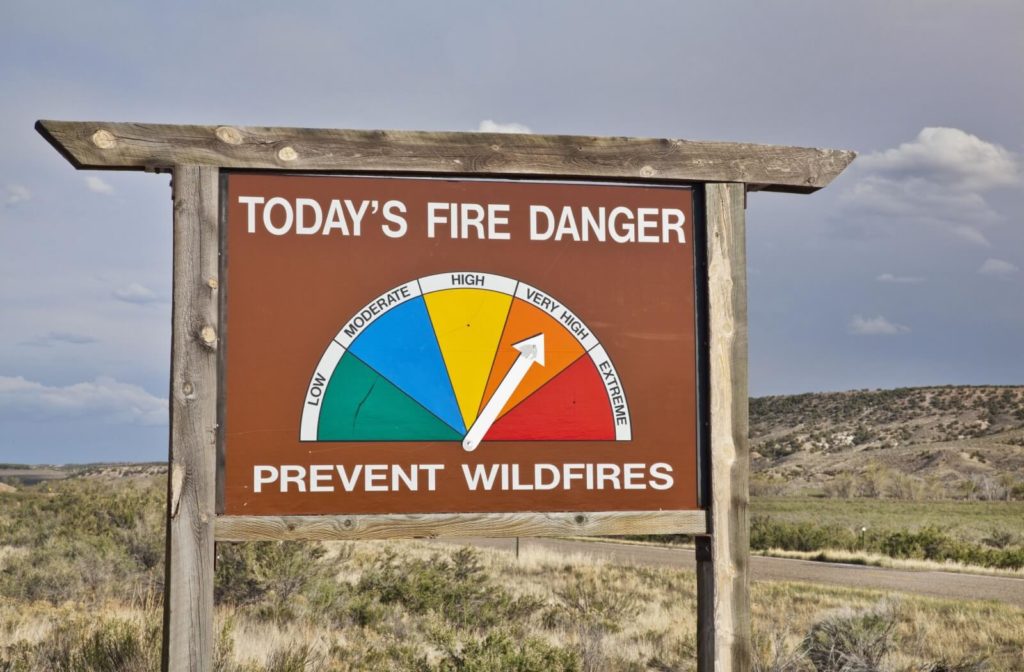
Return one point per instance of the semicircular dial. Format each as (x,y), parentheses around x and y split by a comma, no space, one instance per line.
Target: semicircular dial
(468,357)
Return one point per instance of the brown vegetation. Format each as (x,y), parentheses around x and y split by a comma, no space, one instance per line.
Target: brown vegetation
(912,444)
(80,578)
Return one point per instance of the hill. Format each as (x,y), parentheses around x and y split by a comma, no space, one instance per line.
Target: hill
(952,442)
(908,443)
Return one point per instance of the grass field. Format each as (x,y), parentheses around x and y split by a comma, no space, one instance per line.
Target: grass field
(973,521)
(542,612)
(81,571)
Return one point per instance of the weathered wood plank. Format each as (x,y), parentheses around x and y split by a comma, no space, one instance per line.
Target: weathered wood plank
(131,146)
(729,583)
(250,528)
(188,596)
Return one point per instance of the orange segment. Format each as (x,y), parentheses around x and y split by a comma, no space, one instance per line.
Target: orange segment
(560,350)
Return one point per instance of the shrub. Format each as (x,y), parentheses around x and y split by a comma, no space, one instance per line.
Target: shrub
(300,659)
(82,646)
(852,641)
(458,589)
(501,651)
(929,543)
(85,541)
(766,533)
(595,610)
(600,605)
(962,665)
(274,575)
(772,654)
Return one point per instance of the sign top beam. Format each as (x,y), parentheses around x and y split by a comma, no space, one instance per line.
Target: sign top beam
(132,146)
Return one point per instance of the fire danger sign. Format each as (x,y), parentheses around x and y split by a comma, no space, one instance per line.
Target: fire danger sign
(399,345)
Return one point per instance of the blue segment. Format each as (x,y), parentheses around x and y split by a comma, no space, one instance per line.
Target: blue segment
(401,346)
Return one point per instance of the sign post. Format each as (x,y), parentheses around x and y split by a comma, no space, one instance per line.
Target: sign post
(363,350)
(723,553)
(188,593)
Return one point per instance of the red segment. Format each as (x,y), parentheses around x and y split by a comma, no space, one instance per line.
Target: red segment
(572,406)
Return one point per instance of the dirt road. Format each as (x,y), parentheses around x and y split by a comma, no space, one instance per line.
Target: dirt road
(935,583)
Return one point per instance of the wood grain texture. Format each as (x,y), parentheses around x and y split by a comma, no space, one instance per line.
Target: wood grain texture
(249,528)
(188,596)
(730,460)
(132,146)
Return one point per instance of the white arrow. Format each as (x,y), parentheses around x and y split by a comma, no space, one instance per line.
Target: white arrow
(531,351)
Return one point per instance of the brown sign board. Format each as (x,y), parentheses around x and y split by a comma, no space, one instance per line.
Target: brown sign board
(401,345)
(453,356)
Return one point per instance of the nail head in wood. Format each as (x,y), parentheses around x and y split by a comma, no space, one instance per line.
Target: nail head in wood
(104,139)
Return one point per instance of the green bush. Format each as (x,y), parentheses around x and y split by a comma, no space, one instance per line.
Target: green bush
(593,604)
(83,646)
(84,541)
(929,543)
(852,641)
(969,664)
(459,589)
(300,659)
(502,651)
(280,578)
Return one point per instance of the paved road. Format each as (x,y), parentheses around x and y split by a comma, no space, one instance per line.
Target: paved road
(935,583)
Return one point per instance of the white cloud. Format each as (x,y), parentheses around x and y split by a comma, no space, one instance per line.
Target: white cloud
(901,279)
(104,399)
(55,337)
(491,126)
(948,156)
(97,185)
(135,293)
(997,268)
(917,199)
(971,235)
(16,193)
(875,326)
(939,179)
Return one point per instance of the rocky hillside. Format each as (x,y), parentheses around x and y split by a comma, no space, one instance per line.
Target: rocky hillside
(915,443)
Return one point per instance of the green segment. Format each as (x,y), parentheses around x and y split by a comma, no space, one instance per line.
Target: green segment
(361,405)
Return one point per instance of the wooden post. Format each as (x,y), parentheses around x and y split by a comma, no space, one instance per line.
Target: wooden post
(188,592)
(723,581)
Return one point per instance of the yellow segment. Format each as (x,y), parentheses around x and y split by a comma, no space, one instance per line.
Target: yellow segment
(468,324)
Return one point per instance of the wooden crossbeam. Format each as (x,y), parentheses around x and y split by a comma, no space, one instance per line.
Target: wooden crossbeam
(131,146)
(250,528)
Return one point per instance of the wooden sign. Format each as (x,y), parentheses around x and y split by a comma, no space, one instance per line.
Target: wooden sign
(384,356)
(405,345)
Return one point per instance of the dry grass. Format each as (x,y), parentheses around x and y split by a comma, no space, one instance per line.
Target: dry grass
(611,617)
(876,560)
(968,521)
(88,552)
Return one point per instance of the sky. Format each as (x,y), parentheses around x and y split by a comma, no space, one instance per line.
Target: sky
(906,271)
